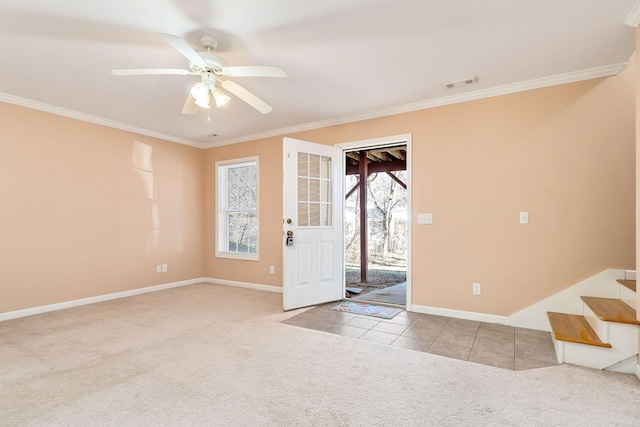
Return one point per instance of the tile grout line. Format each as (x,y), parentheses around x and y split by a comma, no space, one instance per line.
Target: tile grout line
(411,321)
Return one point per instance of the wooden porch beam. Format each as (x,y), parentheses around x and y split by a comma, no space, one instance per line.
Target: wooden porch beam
(396,179)
(350,192)
(375,167)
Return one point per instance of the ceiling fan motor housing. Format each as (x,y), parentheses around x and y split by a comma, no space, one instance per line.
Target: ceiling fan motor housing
(212,63)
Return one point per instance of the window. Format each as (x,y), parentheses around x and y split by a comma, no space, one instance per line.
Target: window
(237,213)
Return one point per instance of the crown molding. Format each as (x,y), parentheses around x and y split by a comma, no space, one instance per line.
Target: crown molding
(23,102)
(633,18)
(559,79)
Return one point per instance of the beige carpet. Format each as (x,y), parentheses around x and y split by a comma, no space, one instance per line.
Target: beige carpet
(209,355)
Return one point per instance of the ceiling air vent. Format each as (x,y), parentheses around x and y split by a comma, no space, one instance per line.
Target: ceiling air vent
(463,82)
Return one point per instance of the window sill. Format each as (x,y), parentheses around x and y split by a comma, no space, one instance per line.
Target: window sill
(245,257)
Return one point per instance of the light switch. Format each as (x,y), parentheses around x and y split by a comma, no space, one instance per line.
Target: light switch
(524,217)
(425,218)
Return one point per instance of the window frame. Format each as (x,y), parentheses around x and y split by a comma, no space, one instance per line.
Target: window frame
(222,192)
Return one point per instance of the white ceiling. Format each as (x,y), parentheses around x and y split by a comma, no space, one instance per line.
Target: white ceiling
(345,59)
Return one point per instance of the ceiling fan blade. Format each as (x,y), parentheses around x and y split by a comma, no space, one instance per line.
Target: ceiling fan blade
(182,47)
(255,71)
(246,96)
(148,71)
(190,106)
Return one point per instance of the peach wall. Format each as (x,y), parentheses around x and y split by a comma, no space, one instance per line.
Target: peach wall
(269,152)
(89,210)
(565,154)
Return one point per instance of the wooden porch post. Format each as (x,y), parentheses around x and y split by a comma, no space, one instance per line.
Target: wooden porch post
(364,173)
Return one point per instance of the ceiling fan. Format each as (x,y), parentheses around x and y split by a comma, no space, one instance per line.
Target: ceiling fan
(212,69)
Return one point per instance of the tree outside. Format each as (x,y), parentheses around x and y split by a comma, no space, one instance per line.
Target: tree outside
(387,231)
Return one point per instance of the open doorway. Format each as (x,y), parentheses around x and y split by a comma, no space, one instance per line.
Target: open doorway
(376,223)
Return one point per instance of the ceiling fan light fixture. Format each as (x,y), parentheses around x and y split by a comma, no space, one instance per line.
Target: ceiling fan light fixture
(203,102)
(221,98)
(200,92)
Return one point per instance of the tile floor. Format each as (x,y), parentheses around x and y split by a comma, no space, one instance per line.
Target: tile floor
(500,346)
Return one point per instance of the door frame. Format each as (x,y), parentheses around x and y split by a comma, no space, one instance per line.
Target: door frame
(403,139)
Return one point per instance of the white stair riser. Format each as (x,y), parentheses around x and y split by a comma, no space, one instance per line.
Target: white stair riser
(588,355)
(620,335)
(628,296)
(600,327)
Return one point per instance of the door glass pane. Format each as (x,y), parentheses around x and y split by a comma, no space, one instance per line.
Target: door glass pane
(325,191)
(325,167)
(303,189)
(314,190)
(303,164)
(314,214)
(325,214)
(314,165)
(303,214)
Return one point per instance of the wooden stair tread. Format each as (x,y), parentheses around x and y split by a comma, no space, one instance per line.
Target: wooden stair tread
(574,328)
(611,310)
(631,284)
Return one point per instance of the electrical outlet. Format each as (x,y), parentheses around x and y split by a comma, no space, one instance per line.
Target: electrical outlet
(477,288)
(272,269)
(158,268)
(164,268)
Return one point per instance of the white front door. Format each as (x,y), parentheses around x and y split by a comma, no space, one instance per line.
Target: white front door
(313,257)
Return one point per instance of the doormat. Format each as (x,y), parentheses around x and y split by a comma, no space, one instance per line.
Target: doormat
(368,309)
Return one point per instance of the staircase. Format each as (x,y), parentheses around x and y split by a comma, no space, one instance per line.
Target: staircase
(605,336)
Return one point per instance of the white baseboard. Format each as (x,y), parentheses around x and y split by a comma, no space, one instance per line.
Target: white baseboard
(638,370)
(92,300)
(255,286)
(469,315)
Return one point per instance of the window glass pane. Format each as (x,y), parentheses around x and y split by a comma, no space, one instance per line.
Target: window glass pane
(252,245)
(232,242)
(251,178)
(242,230)
(245,199)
